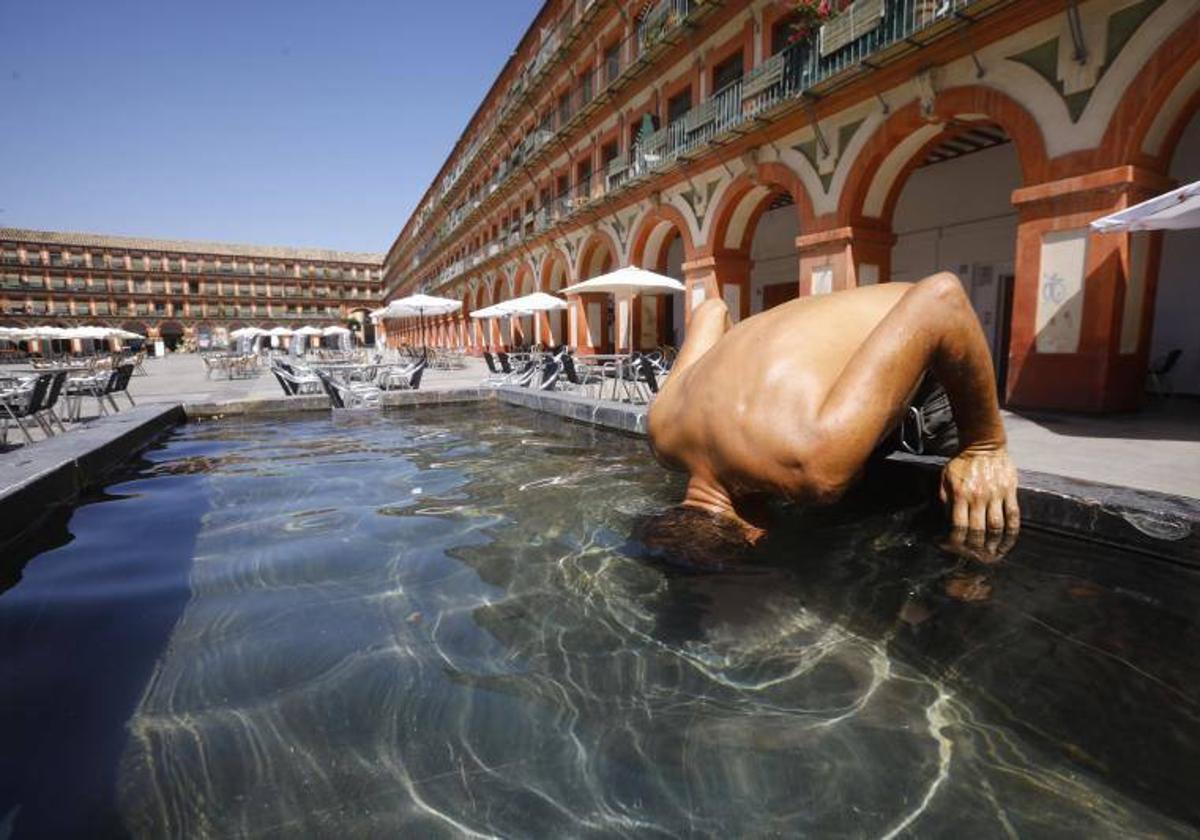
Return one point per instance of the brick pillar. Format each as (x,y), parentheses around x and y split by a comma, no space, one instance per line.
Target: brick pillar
(726,276)
(590,329)
(1083,303)
(843,258)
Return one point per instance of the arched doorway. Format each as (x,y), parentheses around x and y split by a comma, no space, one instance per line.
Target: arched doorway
(366,327)
(662,243)
(554,277)
(135,327)
(940,226)
(522,327)
(1177,303)
(171,333)
(758,220)
(774,264)
(595,314)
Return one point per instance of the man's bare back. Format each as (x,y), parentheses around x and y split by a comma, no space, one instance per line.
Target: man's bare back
(792,401)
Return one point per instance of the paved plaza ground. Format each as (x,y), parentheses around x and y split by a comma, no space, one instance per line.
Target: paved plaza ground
(1156,449)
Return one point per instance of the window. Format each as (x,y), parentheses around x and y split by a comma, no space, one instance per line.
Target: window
(583,177)
(33,257)
(727,72)
(612,63)
(585,89)
(678,105)
(10,255)
(564,109)
(564,186)
(57,258)
(609,152)
(174,265)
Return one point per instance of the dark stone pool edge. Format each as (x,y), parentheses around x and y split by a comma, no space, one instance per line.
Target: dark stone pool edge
(35,480)
(54,472)
(1159,524)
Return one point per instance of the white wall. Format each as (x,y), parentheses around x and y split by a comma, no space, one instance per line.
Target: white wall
(675,269)
(1177,305)
(773,251)
(957,213)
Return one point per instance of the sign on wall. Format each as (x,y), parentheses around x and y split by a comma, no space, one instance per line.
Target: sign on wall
(1060,290)
(732,294)
(822,280)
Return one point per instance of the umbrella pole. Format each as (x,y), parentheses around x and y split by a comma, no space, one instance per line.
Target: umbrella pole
(424,346)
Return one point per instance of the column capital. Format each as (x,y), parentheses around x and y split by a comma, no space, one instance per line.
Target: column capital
(841,236)
(1135,180)
(716,262)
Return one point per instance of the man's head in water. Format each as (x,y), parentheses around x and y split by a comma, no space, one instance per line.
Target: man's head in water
(685,535)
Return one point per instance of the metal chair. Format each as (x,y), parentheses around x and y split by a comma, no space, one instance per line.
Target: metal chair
(28,403)
(1160,369)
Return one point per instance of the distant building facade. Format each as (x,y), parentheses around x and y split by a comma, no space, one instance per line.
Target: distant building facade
(724,145)
(182,292)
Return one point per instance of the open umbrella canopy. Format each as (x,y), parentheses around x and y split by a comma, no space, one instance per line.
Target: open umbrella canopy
(245,331)
(496,310)
(280,331)
(335,330)
(415,305)
(628,280)
(307,330)
(1177,210)
(536,302)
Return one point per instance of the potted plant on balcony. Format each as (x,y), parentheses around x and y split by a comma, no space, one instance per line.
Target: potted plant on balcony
(807,16)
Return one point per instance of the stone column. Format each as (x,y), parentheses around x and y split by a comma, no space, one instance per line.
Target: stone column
(590,328)
(844,258)
(726,276)
(1083,303)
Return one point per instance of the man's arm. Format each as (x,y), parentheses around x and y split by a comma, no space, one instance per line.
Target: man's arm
(931,327)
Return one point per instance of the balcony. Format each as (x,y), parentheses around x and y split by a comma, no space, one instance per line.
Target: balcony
(867,34)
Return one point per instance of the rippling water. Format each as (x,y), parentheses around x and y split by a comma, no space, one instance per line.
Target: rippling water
(434,624)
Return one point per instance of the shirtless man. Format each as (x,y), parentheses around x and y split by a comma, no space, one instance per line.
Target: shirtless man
(793,401)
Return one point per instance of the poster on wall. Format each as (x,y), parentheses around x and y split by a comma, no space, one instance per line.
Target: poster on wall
(1060,290)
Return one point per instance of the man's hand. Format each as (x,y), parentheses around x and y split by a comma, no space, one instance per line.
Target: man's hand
(979,488)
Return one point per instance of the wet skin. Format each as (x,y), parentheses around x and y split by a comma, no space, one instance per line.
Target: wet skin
(792,401)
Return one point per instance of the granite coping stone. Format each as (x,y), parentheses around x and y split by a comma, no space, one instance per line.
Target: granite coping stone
(1155,523)
(36,479)
(56,470)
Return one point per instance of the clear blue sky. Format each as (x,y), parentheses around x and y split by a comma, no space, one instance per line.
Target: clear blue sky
(260,121)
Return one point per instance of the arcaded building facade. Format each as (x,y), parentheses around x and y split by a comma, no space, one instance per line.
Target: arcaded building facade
(186,293)
(754,161)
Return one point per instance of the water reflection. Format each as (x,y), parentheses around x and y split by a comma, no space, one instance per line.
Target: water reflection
(435,624)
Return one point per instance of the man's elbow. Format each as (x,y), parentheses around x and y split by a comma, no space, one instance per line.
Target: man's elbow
(945,289)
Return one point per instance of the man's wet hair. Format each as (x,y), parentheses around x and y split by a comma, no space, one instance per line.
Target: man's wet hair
(693,538)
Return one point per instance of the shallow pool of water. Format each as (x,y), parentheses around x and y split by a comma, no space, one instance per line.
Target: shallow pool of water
(435,623)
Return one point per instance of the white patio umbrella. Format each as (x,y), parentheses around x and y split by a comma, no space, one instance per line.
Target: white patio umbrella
(342,334)
(497,310)
(422,305)
(1177,210)
(534,303)
(624,283)
(278,333)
